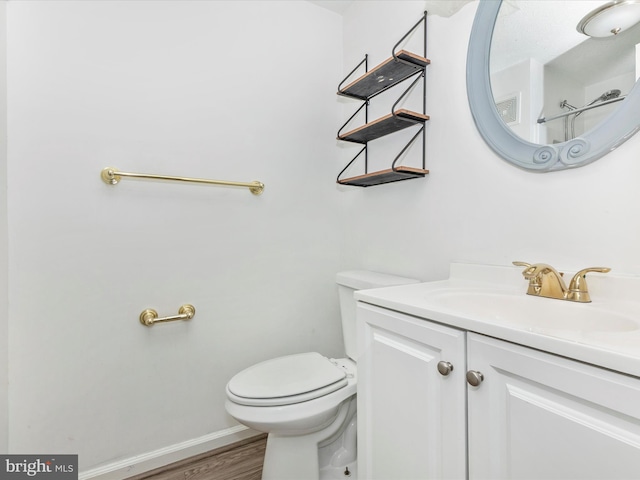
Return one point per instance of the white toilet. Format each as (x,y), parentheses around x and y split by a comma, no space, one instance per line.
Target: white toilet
(307,402)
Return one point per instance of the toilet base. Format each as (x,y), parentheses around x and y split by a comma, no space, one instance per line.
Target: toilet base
(346,472)
(300,457)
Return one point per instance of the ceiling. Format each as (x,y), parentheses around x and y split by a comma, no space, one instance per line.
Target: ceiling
(338,6)
(442,8)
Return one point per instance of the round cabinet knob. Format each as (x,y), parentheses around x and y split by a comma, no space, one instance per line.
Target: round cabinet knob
(445,368)
(474,378)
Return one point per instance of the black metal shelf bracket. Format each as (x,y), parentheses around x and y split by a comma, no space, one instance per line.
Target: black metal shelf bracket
(393,165)
(364,149)
(365,104)
(393,108)
(423,20)
(365,61)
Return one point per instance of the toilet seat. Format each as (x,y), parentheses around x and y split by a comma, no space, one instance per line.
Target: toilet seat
(286,380)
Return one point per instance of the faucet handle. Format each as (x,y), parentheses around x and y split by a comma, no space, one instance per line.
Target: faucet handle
(521,264)
(578,290)
(537,267)
(534,280)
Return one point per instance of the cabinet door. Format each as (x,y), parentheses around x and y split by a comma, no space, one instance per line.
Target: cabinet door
(539,416)
(411,418)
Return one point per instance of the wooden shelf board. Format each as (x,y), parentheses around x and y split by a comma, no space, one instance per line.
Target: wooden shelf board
(384,126)
(387,74)
(384,176)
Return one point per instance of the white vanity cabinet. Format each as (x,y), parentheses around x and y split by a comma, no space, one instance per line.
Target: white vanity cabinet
(533,416)
(541,416)
(411,418)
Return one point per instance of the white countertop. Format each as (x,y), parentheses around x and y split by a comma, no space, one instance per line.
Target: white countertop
(617,350)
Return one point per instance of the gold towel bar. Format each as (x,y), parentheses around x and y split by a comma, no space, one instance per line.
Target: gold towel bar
(149,316)
(112,176)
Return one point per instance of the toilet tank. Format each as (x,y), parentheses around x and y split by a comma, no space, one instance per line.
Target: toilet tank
(353,280)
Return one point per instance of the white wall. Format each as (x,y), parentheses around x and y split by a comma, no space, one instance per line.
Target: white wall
(538,134)
(474,206)
(595,116)
(4,338)
(237,90)
(523,80)
(559,87)
(226,90)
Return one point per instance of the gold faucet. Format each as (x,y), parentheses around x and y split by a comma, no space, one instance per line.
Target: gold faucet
(546,281)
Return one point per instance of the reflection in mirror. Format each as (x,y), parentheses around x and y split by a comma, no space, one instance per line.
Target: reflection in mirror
(551,82)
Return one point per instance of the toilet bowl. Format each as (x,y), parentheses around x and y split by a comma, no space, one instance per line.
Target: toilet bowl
(306,402)
(300,425)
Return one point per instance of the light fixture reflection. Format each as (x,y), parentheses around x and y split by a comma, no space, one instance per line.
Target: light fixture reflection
(610,19)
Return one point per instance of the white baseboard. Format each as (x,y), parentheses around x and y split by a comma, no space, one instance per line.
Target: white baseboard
(164,456)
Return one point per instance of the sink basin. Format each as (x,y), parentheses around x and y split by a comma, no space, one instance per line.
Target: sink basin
(492,301)
(536,314)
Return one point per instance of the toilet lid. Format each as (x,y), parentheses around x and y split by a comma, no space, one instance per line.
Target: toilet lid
(309,375)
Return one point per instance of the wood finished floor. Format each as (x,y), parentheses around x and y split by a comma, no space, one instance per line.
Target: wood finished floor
(239,461)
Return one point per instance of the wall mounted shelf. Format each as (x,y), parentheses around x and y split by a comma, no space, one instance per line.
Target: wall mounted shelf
(384,176)
(386,125)
(389,73)
(401,66)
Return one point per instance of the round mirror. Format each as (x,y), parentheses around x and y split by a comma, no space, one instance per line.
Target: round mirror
(553,85)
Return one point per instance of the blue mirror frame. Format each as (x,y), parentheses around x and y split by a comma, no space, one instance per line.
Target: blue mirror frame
(617,128)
